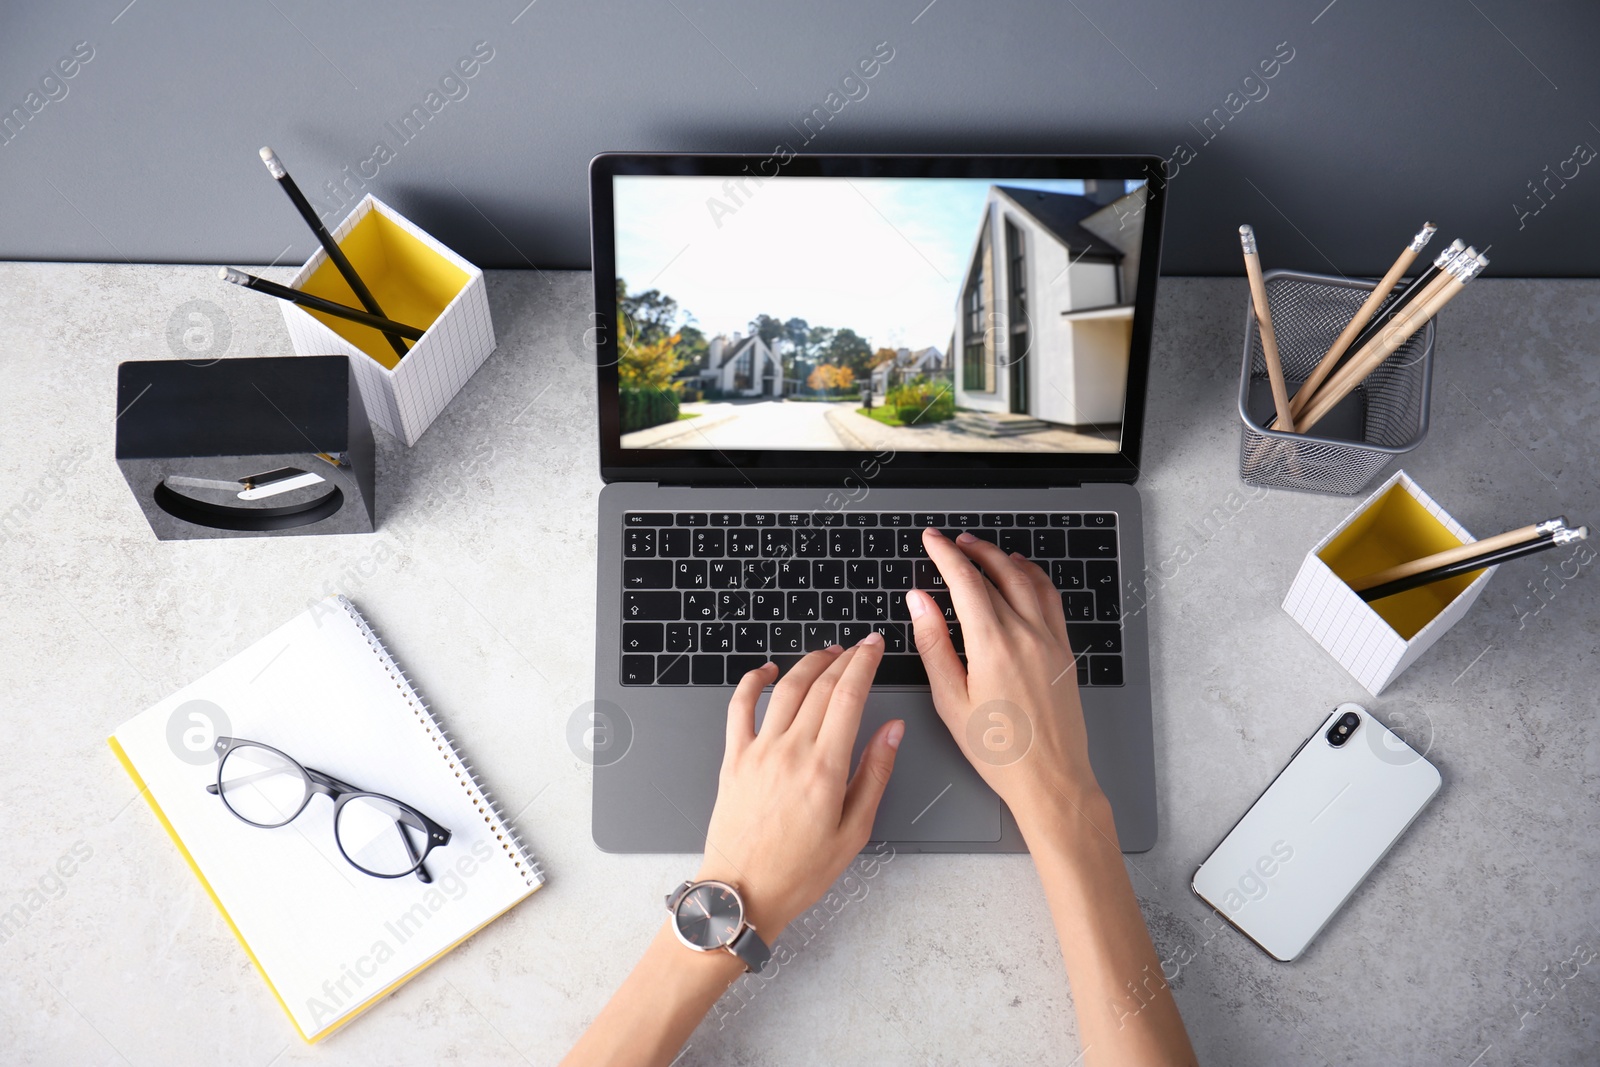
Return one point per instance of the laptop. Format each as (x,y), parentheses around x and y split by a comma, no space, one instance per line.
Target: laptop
(804,361)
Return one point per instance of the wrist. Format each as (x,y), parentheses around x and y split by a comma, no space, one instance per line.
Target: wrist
(761,910)
(1070,823)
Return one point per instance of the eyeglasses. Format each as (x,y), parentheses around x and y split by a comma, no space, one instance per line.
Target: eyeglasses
(378,835)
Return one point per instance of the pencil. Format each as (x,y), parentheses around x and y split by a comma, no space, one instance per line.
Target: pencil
(329,245)
(1395,334)
(1383,289)
(1475,563)
(1269,340)
(1460,552)
(316,303)
(1410,293)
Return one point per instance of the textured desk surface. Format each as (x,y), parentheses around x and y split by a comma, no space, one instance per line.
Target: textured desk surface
(1473,943)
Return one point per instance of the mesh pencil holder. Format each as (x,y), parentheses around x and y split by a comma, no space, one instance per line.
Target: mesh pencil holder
(1383,417)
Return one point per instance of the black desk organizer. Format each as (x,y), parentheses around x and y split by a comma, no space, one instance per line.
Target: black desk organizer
(259,447)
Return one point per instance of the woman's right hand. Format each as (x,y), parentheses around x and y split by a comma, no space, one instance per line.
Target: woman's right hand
(1014,707)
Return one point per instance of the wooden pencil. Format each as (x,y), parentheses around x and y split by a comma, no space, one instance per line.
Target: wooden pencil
(1269,340)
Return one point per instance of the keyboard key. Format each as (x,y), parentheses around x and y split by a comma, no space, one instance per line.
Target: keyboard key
(897,608)
(827,518)
(760,518)
(721,573)
(956,640)
(1079,607)
(861,574)
(860,518)
(894,637)
(964,520)
(1083,670)
(878,543)
(784,637)
(838,605)
(672,670)
(872,606)
(638,670)
(733,606)
(1049,544)
(900,520)
(706,670)
(815,635)
(941,599)
(673,543)
(738,666)
(681,637)
(802,607)
(767,606)
(1094,637)
(927,576)
(827,574)
(709,544)
(984,533)
(638,607)
(700,606)
(1101,576)
(995,519)
(726,519)
(909,543)
(895,573)
(750,637)
(716,637)
(690,574)
(760,574)
(794,518)
(1092,544)
(1099,520)
(646,518)
(923,519)
(1067,574)
(852,632)
(1017,541)
(637,543)
(1068,521)
(691,519)
(1105,670)
(647,574)
(844,543)
(794,574)
(777,544)
(785,661)
(1033,520)
(810,544)
(642,637)
(744,543)
(901,670)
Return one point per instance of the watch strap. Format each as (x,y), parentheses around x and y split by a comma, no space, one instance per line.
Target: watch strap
(677,895)
(749,947)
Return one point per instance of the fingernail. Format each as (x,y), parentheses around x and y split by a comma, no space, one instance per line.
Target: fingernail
(897,730)
(933,531)
(835,649)
(915,604)
(965,539)
(873,638)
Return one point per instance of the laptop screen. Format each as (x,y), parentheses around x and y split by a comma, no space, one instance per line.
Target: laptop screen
(907,313)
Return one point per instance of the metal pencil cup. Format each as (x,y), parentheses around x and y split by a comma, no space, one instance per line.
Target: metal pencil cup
(1385,416)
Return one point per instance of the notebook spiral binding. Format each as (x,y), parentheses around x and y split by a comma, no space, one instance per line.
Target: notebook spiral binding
(486,803)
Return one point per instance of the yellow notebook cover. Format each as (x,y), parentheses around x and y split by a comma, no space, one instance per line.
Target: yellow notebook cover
(329,939)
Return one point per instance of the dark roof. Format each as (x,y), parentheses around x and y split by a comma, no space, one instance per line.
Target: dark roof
(1060,213)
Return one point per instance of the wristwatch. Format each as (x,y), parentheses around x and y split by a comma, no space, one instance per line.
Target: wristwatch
(708,916)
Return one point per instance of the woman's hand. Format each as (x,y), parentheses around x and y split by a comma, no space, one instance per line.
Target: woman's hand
(1014,707)
(789,816)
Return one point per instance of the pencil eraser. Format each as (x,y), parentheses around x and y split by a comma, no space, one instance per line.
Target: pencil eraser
(270,158)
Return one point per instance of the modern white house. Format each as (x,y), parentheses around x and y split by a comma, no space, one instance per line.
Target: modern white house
(1044,316)
(742,366)
(907,364)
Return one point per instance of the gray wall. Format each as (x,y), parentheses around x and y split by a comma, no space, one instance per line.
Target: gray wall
(1387,114)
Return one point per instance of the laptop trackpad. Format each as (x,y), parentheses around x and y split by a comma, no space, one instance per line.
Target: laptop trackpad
(934,794)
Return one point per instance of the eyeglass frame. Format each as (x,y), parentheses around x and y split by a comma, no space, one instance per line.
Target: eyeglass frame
(340,793)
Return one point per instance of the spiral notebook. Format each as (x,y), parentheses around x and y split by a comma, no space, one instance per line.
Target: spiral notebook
(330,940)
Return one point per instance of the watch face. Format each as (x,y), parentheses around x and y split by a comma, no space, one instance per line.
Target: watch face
(709,916)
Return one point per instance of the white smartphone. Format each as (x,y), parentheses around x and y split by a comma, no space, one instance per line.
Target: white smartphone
(1344,799)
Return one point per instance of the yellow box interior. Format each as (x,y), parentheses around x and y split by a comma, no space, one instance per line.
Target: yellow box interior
(1396,529)
(410,281)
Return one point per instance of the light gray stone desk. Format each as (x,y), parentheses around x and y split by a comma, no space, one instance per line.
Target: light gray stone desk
(1474,943)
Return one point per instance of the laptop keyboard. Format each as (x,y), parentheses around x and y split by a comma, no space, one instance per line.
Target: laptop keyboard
(707,596)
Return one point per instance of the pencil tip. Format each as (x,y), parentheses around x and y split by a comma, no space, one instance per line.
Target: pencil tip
(270,158)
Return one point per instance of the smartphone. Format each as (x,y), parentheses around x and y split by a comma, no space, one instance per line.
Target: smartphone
(1286,868)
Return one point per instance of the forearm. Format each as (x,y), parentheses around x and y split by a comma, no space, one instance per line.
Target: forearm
(650,1017)
(1125,1009)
